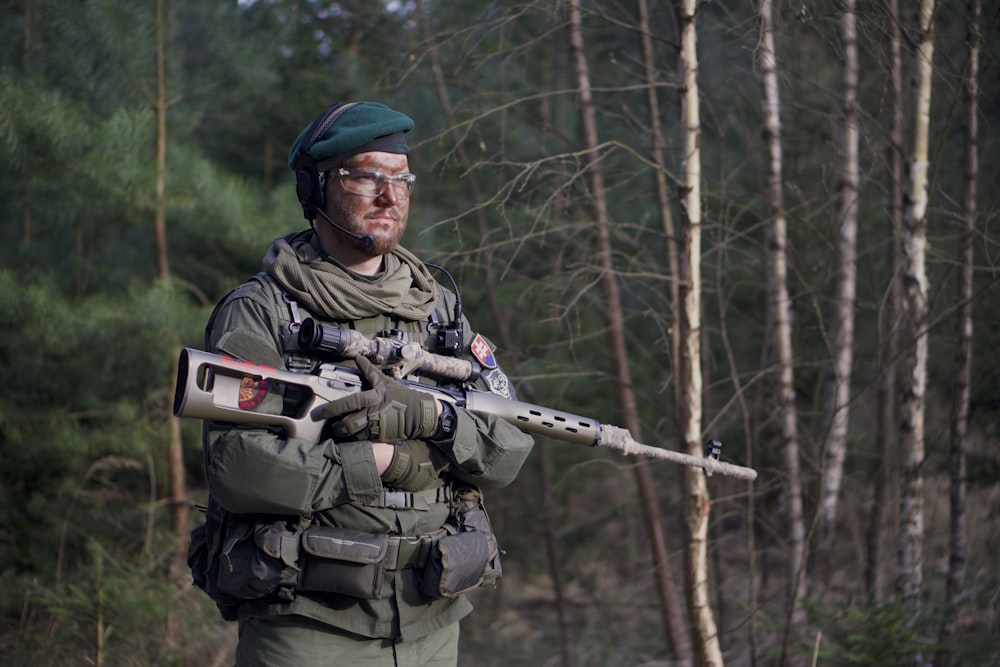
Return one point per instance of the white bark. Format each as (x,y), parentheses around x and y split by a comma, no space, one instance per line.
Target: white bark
(846,228)
(689,391)
(779,308)
(913,382)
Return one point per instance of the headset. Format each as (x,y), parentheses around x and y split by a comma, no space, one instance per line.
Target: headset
(308,184)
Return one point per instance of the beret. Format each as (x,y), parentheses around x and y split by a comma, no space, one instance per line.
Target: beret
(365,126)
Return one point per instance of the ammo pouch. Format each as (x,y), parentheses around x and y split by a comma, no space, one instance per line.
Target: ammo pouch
(342,560)
(469,557)
(235,558)
(258,559)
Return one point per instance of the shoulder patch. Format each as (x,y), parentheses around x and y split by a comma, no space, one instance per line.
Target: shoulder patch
(498,382)
(482,352)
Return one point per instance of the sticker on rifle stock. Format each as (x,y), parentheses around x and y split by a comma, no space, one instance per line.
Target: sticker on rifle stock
(481,351)
(252,392)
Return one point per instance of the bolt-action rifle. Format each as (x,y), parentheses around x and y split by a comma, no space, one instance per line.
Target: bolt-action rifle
(220,388)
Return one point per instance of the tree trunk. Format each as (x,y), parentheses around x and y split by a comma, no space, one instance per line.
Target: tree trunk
(175,448)
(160,104)
(779,308)
(689,382)
(882,522)
(679,638)
(656,152)
(963,344)
(563,615)
(846,227)
(913,379)
(616,334)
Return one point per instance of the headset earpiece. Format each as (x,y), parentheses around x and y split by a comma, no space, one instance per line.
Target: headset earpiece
(308,184)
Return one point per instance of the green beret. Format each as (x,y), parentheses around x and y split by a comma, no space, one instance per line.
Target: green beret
(366,126)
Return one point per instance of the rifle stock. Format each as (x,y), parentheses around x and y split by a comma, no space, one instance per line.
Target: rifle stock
(223,389)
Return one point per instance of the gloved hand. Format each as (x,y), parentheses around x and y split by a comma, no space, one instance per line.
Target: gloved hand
(415,466)
(386,411)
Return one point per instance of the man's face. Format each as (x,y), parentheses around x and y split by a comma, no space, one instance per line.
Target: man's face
(384,217)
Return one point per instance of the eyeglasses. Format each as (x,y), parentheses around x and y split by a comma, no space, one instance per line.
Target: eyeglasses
(371,183)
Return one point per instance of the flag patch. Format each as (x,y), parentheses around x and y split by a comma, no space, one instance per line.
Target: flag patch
(482,352)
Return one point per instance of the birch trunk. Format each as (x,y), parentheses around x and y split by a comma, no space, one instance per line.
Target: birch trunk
(961,395)
(779,307)
(707,650)
(616,334)
(913,381)
(846,228)
(883,516)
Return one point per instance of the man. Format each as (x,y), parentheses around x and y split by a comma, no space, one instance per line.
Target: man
(354,550)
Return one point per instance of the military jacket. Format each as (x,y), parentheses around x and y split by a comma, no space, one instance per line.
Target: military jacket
(260,471)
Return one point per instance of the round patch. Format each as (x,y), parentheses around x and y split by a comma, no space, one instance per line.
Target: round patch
(252,392)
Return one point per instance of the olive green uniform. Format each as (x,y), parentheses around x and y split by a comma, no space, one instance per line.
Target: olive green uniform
(258,471)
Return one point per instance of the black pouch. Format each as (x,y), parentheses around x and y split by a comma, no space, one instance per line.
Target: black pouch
(197,557)
(342,560)
(245,571)
(203,559)
(468,559)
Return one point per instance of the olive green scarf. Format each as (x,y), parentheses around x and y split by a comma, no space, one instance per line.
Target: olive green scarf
(405,288)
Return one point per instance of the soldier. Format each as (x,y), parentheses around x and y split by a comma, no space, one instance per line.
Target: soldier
(352,550)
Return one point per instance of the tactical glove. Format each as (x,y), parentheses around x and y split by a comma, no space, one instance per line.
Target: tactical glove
(415,466)
(386,411)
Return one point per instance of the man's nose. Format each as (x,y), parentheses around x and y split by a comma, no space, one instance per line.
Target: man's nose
(388,196)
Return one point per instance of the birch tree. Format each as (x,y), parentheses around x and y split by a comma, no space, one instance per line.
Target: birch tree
(689,382)
(963,348)
(778,312)
(846,232)
(913,379)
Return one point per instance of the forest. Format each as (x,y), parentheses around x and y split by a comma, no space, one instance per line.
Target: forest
(770,224)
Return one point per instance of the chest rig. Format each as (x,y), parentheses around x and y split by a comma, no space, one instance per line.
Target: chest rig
(433,333)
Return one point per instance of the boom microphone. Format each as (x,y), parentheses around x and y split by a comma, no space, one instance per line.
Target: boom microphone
(367,240)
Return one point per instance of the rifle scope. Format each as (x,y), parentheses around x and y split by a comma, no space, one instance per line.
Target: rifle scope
(328,340)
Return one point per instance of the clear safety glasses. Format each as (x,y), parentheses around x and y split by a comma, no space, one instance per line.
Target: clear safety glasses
(372,183)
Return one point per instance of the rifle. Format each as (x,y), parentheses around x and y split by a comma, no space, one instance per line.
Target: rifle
(220,388)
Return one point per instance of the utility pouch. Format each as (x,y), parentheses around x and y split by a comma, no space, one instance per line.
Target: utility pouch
(458,564)
(467,559)
(246,572)
(342,560)
(203,558)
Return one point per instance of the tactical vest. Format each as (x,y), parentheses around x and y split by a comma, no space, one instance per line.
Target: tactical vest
(236,558)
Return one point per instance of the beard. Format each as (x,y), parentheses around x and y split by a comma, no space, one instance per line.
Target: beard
(348,214)
(386,240)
